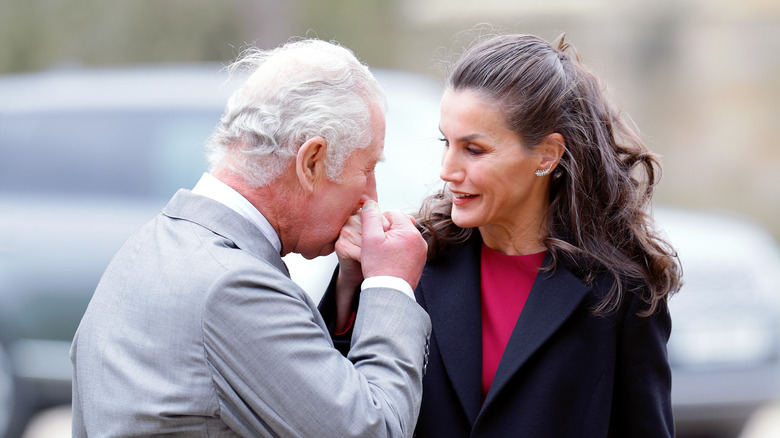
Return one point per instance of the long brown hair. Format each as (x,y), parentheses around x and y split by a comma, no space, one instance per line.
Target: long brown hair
(601,190)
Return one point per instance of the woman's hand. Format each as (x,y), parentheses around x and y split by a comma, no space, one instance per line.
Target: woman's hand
(348,252)
(348,248)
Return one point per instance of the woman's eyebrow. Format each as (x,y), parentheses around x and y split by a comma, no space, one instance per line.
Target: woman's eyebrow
(467,138)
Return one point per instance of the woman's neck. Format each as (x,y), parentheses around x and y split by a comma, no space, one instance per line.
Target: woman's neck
(522,239)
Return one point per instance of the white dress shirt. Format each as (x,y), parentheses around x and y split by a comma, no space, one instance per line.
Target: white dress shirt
(211,187)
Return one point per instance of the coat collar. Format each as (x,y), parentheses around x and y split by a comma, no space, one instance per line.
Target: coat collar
(225,222)
(554,297)
(451,290)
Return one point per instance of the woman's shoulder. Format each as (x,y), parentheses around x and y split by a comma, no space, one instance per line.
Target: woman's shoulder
(602,283)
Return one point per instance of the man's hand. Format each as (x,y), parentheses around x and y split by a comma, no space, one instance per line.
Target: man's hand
(398,250)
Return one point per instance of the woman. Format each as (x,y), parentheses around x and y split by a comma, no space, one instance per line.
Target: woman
(546,282)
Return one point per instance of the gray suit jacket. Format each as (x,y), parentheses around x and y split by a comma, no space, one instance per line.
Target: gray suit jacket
(197,330)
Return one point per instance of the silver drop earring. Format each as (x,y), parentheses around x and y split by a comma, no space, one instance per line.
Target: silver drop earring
(543,172)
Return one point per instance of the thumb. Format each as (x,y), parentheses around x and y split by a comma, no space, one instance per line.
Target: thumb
(371,219)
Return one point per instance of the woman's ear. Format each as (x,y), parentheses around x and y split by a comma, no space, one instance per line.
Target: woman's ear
(550,151)
(310,163)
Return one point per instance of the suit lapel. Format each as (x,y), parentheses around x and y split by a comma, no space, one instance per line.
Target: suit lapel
(451,291)
(224,221)
(552,300)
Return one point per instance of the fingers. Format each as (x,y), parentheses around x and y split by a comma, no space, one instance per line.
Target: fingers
(372,219)
(350,239)
(352,230)
(397,220)
(397,250)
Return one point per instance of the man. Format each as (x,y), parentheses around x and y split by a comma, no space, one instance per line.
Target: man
(196,328)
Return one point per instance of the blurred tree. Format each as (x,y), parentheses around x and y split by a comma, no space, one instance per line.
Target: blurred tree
(40,34)
(368,27)
(699,76)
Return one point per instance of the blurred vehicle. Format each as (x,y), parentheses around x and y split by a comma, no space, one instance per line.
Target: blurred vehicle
(88,156)
(725,344)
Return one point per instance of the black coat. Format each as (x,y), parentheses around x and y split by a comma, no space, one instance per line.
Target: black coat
(564,373)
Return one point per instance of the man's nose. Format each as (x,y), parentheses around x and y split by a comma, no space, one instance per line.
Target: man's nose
(370,191)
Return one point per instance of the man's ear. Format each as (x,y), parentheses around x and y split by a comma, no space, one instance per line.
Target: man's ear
(551,150)
(310,163)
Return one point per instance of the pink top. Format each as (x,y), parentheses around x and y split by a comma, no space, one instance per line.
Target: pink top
(506,283)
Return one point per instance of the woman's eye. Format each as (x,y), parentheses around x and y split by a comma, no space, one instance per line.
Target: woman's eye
(473,150)
(469,148)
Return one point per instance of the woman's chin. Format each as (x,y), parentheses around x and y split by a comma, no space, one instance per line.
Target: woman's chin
(463,221)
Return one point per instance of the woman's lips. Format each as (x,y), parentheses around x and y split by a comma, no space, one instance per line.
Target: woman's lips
(462,198)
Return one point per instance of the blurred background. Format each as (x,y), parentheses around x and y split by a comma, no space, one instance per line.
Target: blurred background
(701,78)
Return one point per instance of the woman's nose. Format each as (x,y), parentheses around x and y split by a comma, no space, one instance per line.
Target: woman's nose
(451,170)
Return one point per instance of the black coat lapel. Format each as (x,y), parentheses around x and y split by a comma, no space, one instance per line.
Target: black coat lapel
(552,300)
(451,290)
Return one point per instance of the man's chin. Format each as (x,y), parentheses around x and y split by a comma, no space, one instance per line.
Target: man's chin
(326,250)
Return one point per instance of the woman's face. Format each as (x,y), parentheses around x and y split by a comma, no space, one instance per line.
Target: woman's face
(490,174)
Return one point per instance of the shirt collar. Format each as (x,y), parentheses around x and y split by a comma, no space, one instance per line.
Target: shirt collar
(212,188)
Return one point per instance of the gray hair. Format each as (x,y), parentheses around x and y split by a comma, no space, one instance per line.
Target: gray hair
(303,89)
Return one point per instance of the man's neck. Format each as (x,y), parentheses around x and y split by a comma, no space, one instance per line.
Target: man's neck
(274,201)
